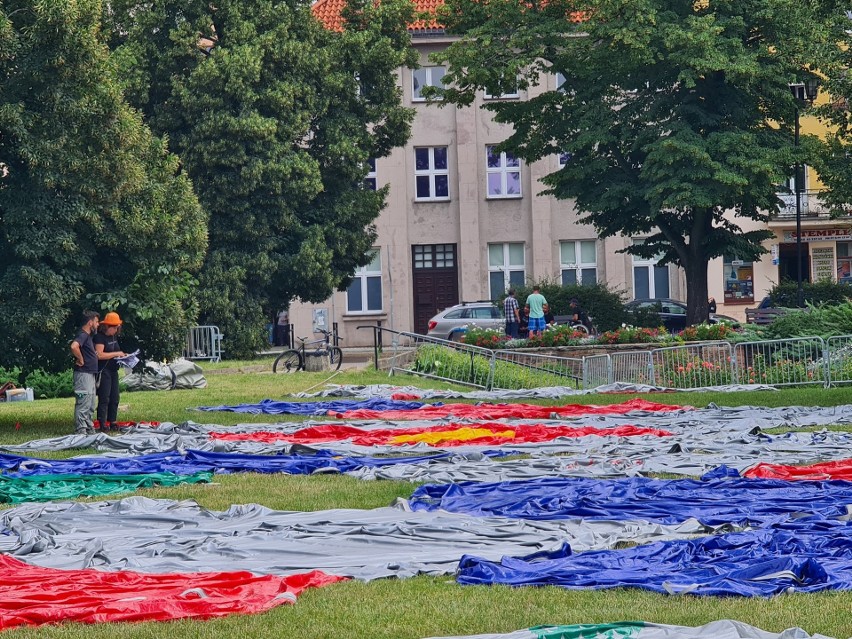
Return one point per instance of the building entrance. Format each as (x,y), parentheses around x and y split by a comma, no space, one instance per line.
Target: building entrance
(787,269)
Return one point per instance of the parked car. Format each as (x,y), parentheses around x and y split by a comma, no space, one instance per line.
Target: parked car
(452,322)
(673,313)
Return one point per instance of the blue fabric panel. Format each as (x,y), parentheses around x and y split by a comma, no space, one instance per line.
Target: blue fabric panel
(197,461)
(273,407)
(798,556)
(755,502)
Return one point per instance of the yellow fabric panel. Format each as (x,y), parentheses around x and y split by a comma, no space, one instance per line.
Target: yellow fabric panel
(462,434)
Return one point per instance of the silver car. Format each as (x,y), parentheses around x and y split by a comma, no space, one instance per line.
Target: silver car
(452,322)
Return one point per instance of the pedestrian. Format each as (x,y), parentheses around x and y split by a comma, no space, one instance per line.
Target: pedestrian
(107,349)
(536,303)
(282,329)
(513,314)
(711,305)
(85,373)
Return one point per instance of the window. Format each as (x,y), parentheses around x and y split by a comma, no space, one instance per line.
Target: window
(457,314)
(844,262)
(738,277)
(579,262)
(505,267)
(364,294)
(431,173)
(426,77)
(649,278)
(512,93)
(370,180)
(504,174)
(564,156)
(434,256)
(560,83)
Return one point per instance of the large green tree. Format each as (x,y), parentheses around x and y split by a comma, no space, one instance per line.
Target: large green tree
(677,114)
(92,210)
(274,118)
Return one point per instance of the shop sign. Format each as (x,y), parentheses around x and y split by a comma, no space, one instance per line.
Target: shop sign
(823,263)
(819,235)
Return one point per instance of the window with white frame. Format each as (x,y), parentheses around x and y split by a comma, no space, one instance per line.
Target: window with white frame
(431,173)
(650,280)
(364,294)
(579,262)
(370,180)
(560,83)
(505,267)
(503,171)
(426,77)
(510,93)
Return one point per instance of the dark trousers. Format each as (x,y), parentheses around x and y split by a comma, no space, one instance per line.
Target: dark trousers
(512,329)
(282,335)
(107,397)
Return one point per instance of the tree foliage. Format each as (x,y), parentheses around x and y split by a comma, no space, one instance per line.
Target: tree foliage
(274,118)
(677,115)
(93,212)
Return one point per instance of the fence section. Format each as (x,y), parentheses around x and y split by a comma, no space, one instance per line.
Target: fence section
(203,342)
(596,371)
(693,365)
(631,367)
(518,369)
(782,362)
(838,359)
(806,360)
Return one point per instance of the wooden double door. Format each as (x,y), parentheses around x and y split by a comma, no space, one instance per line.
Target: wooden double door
(436,281)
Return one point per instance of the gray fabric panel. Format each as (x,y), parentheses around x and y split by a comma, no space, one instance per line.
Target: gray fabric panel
(722,629)
(162,536)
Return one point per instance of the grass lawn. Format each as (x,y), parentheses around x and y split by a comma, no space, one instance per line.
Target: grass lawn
(413,608)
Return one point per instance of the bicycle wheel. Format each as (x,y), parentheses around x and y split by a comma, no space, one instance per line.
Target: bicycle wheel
(288,362)
(335,357)
(581,328)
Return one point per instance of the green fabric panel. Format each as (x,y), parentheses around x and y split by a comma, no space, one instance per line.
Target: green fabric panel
(622,630)
(16,490)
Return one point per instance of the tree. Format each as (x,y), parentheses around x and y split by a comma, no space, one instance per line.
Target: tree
(275,119)
(92,210)
(677,115)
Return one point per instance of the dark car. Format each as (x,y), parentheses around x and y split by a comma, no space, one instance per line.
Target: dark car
(673,313)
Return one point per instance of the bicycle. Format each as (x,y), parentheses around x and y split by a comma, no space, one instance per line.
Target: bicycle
(293,360)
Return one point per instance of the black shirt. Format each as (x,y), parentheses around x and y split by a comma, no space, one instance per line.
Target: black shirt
(110,346)
(87,350)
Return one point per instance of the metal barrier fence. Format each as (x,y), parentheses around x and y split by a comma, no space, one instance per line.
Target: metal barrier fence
(203,342)
(788,362)
(519,369)
(693,365)
(838,359)
(782,362)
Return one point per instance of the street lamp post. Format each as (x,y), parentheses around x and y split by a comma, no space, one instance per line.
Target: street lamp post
(804,93)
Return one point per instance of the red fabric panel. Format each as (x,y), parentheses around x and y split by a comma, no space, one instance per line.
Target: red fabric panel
(385,436)
(32,596)
(501,411)
(840,469)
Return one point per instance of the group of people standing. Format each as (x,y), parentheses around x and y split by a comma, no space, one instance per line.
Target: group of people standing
(95,350)
(536,315)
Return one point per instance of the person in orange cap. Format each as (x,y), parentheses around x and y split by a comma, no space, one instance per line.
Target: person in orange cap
(107,349)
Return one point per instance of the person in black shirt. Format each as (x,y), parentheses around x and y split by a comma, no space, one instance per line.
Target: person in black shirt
(85,373)
(107,349)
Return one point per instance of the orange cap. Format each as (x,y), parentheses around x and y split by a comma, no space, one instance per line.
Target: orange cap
(111,319)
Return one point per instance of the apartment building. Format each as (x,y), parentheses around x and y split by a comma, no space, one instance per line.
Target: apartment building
(463,222)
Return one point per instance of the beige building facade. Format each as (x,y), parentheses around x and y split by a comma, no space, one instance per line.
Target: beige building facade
(463,222)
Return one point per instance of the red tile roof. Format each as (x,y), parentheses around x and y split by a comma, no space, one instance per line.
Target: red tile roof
(328,12)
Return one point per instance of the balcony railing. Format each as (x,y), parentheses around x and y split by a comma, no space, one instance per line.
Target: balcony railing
(812,206)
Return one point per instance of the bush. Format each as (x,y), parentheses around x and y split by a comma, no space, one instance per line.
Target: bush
(816,294)
(49,385)
(634,335)
(559,336)
(824,321)
(10,375)
(707,332)
(604,305)
(485,337)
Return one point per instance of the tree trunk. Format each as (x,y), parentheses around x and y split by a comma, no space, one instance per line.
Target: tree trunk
(696,291)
